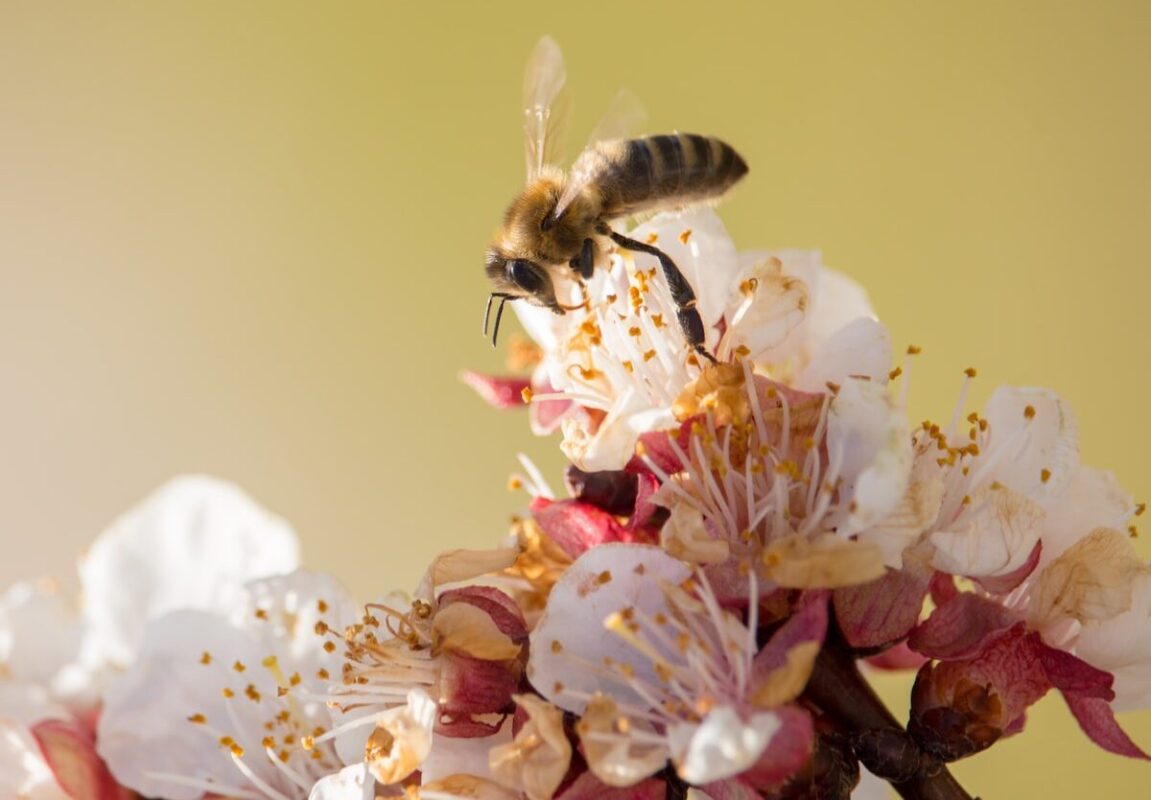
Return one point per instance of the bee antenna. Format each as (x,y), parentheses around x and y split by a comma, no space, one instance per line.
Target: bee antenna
(499,316)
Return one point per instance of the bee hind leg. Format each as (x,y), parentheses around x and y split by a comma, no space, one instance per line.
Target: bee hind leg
(690,322)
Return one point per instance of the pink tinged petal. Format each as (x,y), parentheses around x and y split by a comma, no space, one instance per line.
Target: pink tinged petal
(24,772)
(497,390)
(1093,499)
(882,612)
(807,626)
(502,610)
(657,447)
(192,544)
(546,416)
(588,787)
(860,348)
(722,745)
(1122,646)
(995,538)
(1032,430)
(1002,584)
(961,628)
(472,686)
(576,526)
(789,751)
(645,507)
(1072,675)
(1097,720)
(570,635)
(868,437)
(71,753)
(895,658)
(350,783)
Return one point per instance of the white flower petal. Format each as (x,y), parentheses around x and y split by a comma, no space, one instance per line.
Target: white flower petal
(350,783)
(722,745)
(191,544)
(869,441)
(1122,646)
(1032,430)
(40,632)
(1093,499)
(862,348)
(836,300)
(995,537)
(570,635)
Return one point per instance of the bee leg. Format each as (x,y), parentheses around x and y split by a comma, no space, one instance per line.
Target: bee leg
(690,322)
(584,263)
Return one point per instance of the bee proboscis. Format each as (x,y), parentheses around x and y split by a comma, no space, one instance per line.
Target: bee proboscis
(559,228)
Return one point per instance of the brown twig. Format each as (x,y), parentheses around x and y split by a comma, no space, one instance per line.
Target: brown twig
(839,690)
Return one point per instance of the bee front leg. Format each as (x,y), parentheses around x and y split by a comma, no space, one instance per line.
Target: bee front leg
(584,263)
(690,322)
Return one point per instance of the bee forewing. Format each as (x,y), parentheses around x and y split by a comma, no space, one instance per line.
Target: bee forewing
(546,106)
(624,117)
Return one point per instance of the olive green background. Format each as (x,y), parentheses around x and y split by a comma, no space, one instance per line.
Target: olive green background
(246,238)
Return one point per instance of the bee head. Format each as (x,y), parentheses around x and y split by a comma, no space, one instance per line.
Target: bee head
(521,279)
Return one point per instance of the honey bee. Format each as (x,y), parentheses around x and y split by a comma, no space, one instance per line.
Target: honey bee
(559,227)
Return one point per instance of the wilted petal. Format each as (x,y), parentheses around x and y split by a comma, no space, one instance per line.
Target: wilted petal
(469,787)
(685,536)
(781,668)
(961,628)
(539,756)
(821,562)
(1092,580)
(192,544)
(882,611)
(1097,720)
(768,305)
(576,526)
(402,739)
(614,753)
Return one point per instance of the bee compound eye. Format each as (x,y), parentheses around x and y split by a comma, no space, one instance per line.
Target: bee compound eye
(525,275)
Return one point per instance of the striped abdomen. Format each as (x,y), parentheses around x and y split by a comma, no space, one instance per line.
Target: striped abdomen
(637,175)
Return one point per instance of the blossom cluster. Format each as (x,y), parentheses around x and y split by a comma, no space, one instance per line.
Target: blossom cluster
(736,538)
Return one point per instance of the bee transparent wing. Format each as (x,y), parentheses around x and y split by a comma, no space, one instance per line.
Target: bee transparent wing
(624,117)
(546,106)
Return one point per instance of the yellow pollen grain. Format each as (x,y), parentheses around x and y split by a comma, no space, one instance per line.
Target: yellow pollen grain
(685,235)
(557,646)
(228,693)
(1029,412)
(295,680)
(973,417)
(252,694)
(634,330)
(969,372)
(198,719)
(627,365)
(526,395)
(261,614)
(268,743)
(1045,475)
(657,320)
(914,350)
(604,577)
(283,755)
(321,628)
(515,484)
(1140,508)
(322,606)
(966,499)
(282,691)
(270,662)
(307,742)
(558,687)
(652,238)
(322,674)
(649,355)
(611,298)
(833,387)
(329,646)
(206,658)
(239,666)
(895,373)
(1133,531)
(743,351)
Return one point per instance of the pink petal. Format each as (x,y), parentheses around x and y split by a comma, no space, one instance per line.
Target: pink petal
(896,658)
(962,628)
(1097,720)
(1002,584)
(1073,675)
(546,415)
(500,392)
(942,588)
(588,787)
(645,509)
(70,751)
(883,611)
(576,526)
(807,624)
(789,751)
(657,448)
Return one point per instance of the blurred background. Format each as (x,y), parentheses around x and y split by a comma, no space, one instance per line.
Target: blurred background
(246,239)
